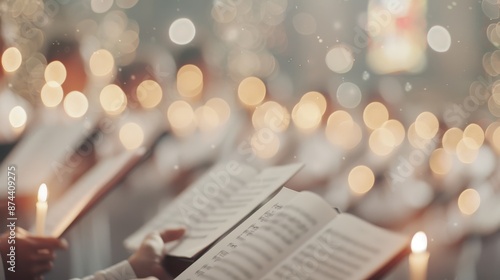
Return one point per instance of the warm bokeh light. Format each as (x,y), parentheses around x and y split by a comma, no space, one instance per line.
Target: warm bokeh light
(101,63)
(306,116)
(189,81)
(11,59)
(440,161)
(182,31)
(419,242)
(495,140)
(451,138)
(271,115)
(465,153)
(149,94)
(426,125)
(342,131)
(131,136)
(490,130)
(181,117)
(266,144)
(221,107)
(469,201)
(375,114)
(75,104)
(361,179)
(113,99)
(17,117)
(397,130)
(206,118)
(55,72)
(251,91)
(382,142)
(316,98)
(473,136)
(339,59)
(43,193)
(51,94)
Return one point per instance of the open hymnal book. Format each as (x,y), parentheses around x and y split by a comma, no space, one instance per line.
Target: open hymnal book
(92,186)
(297,235)
(215,204)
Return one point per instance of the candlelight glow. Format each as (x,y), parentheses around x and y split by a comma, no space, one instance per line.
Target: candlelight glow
(361,179)
(42,193)
(11,59)
(51,94)
(251,91)
(181,117)
(375,115)
(17,117)
(75,104)
(113,99)
(426,125)
(382,142)
(495,140)
(465,153)
(101,63)
(189,81)
(221,107)
(469,201)
(316,98)
(419,242)
(271,115)
(342,131)
(149,94)
(55,72)
(440,161)
(397,129)
(131,136)
(473,136)
(306,116)
(451,138)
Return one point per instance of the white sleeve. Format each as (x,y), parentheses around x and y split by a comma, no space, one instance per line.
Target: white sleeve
(119,271)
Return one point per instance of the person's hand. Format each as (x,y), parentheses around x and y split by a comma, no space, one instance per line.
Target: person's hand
(34,254)
(146,261)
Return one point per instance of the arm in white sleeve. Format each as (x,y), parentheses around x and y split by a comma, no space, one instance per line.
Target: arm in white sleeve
(119,271)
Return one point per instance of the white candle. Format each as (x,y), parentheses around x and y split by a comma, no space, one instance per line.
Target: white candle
(419,257)
(41,209)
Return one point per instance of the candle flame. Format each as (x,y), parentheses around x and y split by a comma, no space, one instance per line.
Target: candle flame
(42,193)
(419,242)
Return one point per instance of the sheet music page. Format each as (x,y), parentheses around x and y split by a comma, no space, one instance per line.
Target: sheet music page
(59,142)
(214,204)
(346,248)
(98,179)
(251,251)
(240,234)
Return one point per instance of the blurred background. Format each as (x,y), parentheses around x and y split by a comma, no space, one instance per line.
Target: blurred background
(393,106)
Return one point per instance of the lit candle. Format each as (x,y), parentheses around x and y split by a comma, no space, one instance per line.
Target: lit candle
(41,209)
(419,257)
